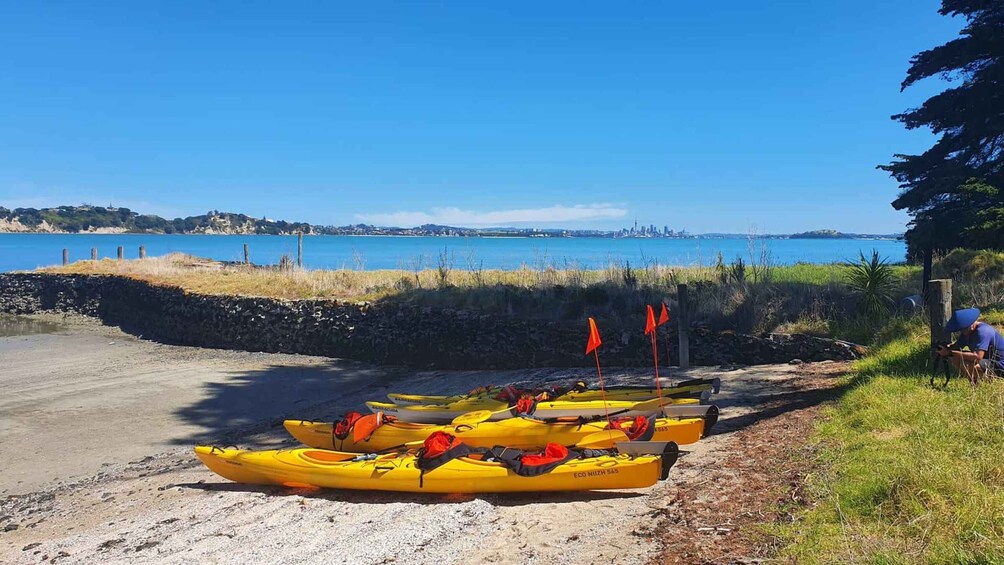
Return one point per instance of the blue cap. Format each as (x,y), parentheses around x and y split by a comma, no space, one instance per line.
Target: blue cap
(962,319)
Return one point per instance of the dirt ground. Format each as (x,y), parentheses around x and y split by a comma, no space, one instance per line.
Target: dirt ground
(96,430)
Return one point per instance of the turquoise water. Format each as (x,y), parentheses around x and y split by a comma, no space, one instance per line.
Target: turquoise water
(27,251)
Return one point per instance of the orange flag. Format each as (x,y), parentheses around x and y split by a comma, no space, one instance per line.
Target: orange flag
(664,315)
(650,321)
(594,337)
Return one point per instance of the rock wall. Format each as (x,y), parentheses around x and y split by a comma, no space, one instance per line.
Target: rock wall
(386,333)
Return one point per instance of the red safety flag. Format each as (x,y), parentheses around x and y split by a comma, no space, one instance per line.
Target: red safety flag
(650,321)
(594,337)
(664,315)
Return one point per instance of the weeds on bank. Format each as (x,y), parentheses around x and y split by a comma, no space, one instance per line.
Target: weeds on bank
(909,473)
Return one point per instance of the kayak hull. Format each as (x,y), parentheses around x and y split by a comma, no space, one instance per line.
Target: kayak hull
(701,390)
(308,467)
(444,414)
(520,433)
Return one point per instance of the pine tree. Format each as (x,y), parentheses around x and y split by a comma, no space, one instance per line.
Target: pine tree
(953,190)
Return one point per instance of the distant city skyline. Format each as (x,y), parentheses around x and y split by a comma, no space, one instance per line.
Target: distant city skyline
(564,115)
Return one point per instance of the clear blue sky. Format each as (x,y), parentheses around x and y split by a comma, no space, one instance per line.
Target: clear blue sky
(708,117)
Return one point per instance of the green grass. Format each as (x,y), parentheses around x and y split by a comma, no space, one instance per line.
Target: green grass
(908,473)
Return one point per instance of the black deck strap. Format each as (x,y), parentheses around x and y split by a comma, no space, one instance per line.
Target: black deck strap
(579,420)
(670,455)
(692,382)
(502,454)
(428,464)
(513,460)
(710,419)
(590,453)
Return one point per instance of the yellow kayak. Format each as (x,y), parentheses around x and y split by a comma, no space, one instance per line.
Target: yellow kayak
(309,467)
(544,410)
(522,433)
(695,388)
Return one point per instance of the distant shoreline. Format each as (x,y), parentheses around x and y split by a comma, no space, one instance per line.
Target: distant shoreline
(460,236)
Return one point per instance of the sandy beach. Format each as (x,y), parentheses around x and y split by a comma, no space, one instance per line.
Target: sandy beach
(97,426)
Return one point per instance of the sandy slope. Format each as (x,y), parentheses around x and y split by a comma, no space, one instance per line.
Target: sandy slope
(96,467)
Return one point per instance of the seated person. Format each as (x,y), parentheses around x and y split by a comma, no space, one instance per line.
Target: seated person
(985,343)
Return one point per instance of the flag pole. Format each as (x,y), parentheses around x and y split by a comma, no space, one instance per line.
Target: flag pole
(655,357)
(603,391)
(592,346)
(652,330)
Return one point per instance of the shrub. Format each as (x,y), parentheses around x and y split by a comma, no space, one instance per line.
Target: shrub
(874,282)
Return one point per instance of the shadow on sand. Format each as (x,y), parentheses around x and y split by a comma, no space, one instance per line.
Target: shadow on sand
(255,401)
(381,497)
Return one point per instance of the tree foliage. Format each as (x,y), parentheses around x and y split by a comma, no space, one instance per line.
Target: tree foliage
(953,189)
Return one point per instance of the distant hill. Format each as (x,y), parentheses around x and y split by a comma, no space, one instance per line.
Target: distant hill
(834,234)
(819,234)
(101,219)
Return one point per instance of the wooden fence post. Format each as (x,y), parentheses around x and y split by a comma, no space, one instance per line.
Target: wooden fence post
(121,253)
(927,270)
(94,254)
(299,249)
(66,256)
(940,307)
(247,255)
(142,252)
(683,322)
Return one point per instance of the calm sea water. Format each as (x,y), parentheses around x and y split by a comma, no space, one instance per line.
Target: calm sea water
(27,251)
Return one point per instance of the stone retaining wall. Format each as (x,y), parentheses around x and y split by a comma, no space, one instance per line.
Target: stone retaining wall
(385,333)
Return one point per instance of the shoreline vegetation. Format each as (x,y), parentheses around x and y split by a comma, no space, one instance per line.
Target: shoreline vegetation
(113,220)
(750,297)
(848,301)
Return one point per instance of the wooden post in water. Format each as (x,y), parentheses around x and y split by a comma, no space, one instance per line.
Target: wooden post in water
(121,253)
(247,255)
(142,252)
(66,256)
(683,321)
(299,250)
(940,307)
(94,254)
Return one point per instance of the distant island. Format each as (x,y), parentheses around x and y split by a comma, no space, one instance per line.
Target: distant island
(110,219)
(833,234)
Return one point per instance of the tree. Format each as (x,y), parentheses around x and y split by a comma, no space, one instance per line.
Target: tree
(952,190)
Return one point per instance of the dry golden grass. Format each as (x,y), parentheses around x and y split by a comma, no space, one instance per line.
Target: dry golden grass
(211,277)
(796,298)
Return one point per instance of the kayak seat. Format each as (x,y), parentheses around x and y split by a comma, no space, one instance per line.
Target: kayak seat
(532,464)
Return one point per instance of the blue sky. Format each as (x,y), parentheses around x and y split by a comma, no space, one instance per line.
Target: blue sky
(578,114)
